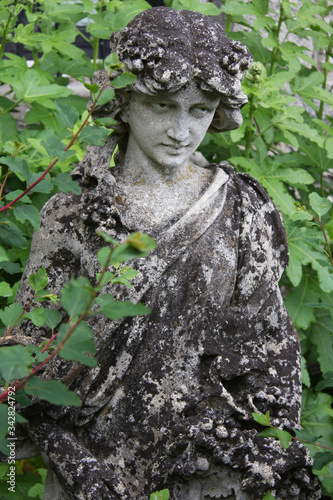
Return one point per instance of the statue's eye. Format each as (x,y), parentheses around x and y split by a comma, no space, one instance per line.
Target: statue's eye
(200,110)
(160,106)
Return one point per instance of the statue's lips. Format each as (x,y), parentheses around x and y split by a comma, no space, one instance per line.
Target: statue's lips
(176,149)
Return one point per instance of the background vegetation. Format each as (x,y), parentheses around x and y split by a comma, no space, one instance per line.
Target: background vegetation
(286,142)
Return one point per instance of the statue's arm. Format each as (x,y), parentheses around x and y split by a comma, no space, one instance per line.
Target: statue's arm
(78,471)
(263,257)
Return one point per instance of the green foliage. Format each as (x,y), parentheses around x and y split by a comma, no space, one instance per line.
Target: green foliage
(160,495)
(286,142)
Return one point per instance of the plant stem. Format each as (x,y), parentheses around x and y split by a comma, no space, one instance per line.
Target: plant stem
(327,58)
(74,137)
(248,133)
(4,34)
(276,49)
(37,368)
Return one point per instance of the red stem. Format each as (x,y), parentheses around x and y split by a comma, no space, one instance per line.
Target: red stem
(56,159)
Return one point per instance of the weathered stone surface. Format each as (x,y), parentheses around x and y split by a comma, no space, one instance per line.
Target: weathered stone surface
(170,402)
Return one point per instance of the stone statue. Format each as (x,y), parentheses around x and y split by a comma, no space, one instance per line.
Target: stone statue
(170,402)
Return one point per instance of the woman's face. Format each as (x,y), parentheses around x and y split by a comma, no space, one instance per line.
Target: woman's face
(167,128)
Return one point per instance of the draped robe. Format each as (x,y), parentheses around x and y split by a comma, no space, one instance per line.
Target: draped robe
(170,403)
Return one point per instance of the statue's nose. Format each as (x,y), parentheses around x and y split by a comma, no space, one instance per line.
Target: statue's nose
(179,128)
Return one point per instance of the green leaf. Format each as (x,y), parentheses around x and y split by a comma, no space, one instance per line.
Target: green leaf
(66,114)
(80,345)
(160,495)
(55,148)
(320,205)
(262,419)
(3,421)
(36,316)
(268,496)
(14,362)
(53,391)
(316,416)
(27,212)
(296,302)
(52,318)
(103,256)
(301,215)
(105,96)
(321,459)
(9,315)
(305,374)
(321,336)
(5,289)
(65,183)
(302,253)
(39,280)
(137,245)
(94,134)
(306,435)
(10,267)
(76,296)
(10,235)
(327,382)
(128,272)
(123,80)
(17,165)
(283,436)
(113,309)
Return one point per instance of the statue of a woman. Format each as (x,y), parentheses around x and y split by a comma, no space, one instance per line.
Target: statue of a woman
(170,402)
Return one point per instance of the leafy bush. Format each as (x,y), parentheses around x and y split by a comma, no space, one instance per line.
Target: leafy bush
(286,142)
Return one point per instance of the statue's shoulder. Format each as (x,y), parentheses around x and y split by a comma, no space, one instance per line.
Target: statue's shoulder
(247,186)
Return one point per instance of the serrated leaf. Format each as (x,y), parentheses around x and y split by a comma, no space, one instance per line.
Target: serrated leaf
(76,296)
(53,391)
(321,459)
(17,165)
(320,205)
(105,96)
(327,382)
(5,289)
(80,345)
(262,419)
(160,495)
(36,316)
(94,135)
(14,362)
(66,114)
(123,80)
(39,280)
(52,318)
(301,215)
(114,310)
(29,213)
(306,435)
(283,436)
(10,267)
(65,183)
(322,337)
(296,301)
(316,413)
(55,148)
(301,253)
(128,272)
(119,280)
(9,315)
(10,235)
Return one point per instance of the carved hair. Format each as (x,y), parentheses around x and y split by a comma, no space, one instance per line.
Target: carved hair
(166,49)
